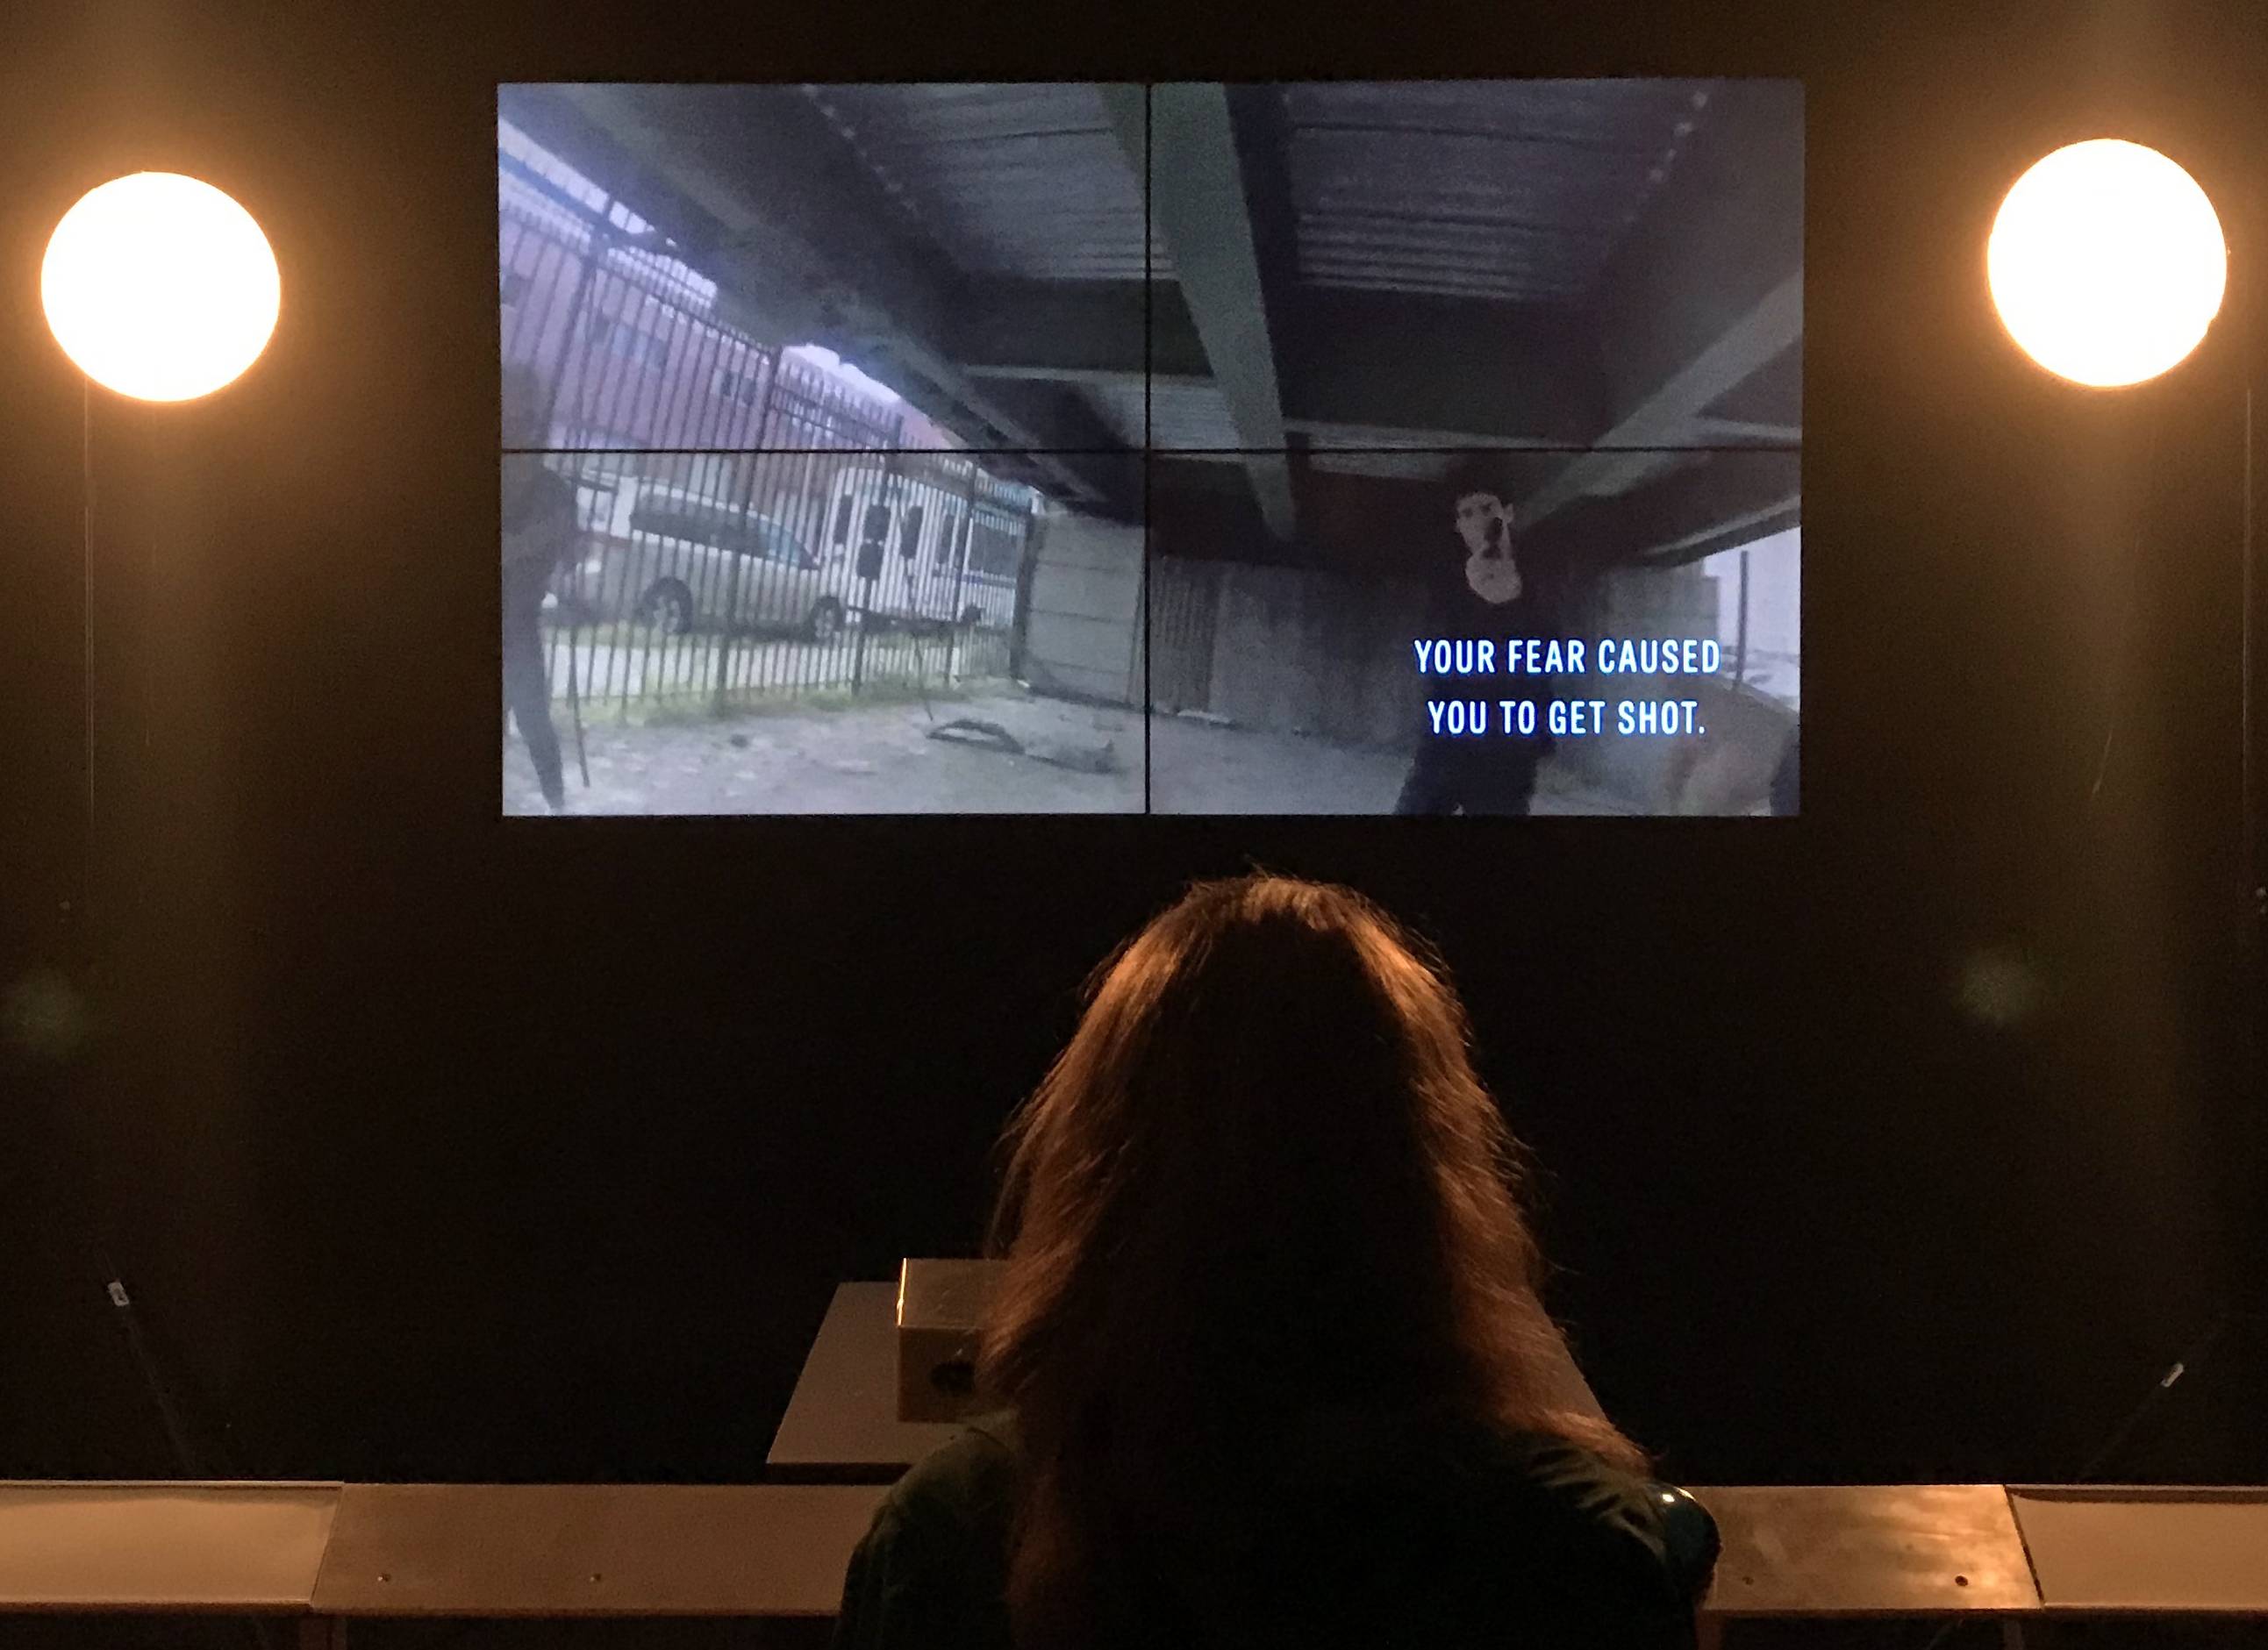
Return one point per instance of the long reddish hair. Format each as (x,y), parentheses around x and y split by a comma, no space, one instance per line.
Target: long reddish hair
(1263,1180)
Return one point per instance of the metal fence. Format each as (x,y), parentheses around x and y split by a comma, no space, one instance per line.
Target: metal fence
(752,527)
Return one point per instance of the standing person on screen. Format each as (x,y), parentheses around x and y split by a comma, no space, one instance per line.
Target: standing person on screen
(1269,1331)
(539,527)
(1488,592)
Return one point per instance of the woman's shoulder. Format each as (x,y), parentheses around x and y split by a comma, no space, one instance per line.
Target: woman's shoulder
(969,1479)
(932,1568)
(1543,1494)
(1627,1521)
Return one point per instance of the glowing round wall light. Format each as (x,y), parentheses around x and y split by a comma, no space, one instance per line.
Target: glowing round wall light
(2107,262)
(159,286)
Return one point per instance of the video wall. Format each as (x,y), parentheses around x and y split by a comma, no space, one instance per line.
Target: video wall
(1331,448)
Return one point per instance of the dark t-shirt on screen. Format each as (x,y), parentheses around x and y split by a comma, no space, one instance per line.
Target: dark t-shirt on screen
(1443,1538)
(1455,611)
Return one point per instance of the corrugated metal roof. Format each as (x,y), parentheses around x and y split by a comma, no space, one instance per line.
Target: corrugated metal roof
(1511,190)
(1020,181)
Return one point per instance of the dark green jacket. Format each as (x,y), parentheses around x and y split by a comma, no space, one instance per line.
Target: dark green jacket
(1465,1538)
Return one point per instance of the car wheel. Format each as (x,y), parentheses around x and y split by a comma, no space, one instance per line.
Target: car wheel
(668,608)
(825,620)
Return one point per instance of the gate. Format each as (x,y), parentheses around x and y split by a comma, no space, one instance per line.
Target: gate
(753,528)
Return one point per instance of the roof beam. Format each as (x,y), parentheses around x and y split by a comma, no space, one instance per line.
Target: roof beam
(1058,408)
(1738,432)
(801,234)
(1706,292)
(1699,503)
(1775,516)
(1181,138)
(1086,333)
(734,170)
(1652,434)
(1721,235)
(1363,369)
(1328,435)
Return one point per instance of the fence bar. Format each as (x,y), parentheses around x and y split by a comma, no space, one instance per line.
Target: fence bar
(722,484)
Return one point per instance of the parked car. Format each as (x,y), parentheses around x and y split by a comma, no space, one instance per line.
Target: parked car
(656,553)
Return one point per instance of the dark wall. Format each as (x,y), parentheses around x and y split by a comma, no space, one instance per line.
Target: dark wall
(436,1145)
